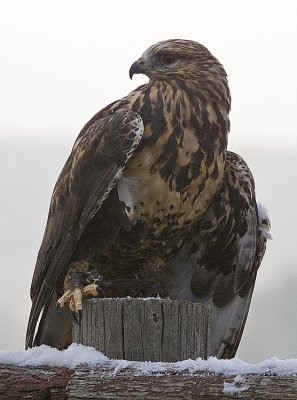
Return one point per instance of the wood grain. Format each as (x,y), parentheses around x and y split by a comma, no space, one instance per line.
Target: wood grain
(145,329)
(46,383)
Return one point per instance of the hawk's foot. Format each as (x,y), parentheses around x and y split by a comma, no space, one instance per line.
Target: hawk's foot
(80,285)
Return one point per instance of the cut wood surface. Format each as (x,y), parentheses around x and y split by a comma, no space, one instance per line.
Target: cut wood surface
(138,329)
(45,383)
(145,329)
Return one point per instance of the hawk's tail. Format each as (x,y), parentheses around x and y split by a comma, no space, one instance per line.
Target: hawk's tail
(54,329)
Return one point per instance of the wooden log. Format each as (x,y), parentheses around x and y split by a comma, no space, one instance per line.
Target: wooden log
(145,329)
(42,383)
(53,383)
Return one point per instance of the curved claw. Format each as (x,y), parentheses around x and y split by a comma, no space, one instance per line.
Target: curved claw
(79,312)
(77,316)
(76,292)
(74,317)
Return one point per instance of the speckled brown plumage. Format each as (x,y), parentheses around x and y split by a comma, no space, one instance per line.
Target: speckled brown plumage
(218,265)
(128,205)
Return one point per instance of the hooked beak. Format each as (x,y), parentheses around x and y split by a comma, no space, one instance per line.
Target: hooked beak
(138,67)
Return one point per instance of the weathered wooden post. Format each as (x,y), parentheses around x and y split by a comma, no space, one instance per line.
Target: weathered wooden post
(145,329)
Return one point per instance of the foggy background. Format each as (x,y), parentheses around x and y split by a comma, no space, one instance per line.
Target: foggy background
(62,61)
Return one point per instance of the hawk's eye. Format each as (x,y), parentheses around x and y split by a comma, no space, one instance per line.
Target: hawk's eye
(168,59)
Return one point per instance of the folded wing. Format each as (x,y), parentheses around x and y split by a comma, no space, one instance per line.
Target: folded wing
(93,168)
(219,265)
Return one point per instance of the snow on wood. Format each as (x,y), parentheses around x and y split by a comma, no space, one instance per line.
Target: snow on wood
(77,355)
(102,382)
(81,372)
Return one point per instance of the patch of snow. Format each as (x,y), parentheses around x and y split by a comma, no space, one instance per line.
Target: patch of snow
(77,354)
(158,297)
(235,366)
(237,386)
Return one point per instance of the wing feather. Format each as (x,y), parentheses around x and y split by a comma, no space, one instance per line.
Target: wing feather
(90,173)
(218,266)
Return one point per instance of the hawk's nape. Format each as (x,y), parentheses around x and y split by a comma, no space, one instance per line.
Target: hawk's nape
(143,175)
(219,265)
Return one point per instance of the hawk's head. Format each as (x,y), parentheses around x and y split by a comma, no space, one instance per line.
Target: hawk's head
(178,59)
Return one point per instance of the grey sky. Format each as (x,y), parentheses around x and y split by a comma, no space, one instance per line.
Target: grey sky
(61,61)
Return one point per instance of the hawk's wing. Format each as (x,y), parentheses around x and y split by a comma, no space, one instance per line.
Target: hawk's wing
(219,265)
(93,168)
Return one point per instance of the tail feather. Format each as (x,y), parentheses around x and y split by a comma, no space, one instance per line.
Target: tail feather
(227,322)
(54,329)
